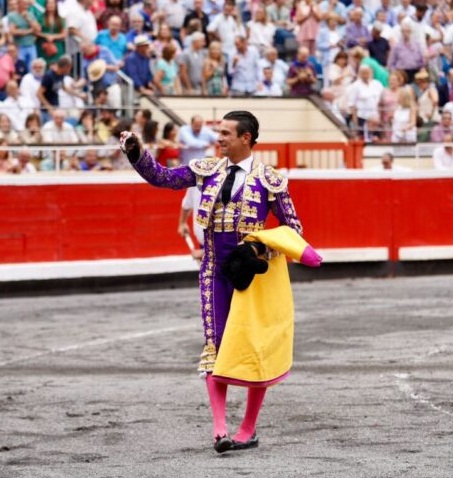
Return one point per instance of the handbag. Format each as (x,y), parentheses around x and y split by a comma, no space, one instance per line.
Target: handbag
(49,48)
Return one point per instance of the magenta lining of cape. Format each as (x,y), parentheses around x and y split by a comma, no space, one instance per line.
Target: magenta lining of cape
(246,383)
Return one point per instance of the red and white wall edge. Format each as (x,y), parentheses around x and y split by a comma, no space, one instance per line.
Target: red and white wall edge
(113,224)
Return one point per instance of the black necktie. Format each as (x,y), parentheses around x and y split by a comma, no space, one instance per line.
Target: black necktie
(228,184)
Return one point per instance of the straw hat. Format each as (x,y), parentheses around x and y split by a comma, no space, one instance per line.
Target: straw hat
(96,70)
(421,75)
(141,40)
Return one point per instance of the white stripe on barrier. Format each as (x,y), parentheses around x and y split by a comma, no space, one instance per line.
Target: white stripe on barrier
(355,254)
(425,253)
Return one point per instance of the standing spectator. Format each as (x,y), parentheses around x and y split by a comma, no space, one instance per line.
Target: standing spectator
(404,6)
(427,101)
(51,39)
(97,8)
(7,131)
(404,119)
(407,54)
(114,8)
(267,86)
(307,18)
(151,16)
(81,24)
(191,65)
(390,16)
(260,32)
(445,89)
(23,28)
(112,38)
(196,13)
(6,71)
(136,66)
(244,68)
(363,101)
(357,33)
(137,28)
(166,73)
(32,131)
(443,155)
(279,14)
(57,130)
(279,67)
(195,140)
(168,148)
(20,68)
(333,9)
(378,47)
(164,38)
(443,129)
(329,43)
(16,106)
(214,82)
(389,101)
(174,13)
(367,13)
(225,27)
(301,74)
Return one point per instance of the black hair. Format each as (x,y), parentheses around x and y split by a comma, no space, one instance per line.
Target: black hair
(150,131)
(247,123)
(168,127)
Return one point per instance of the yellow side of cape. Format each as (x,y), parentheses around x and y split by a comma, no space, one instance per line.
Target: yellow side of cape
(257,344)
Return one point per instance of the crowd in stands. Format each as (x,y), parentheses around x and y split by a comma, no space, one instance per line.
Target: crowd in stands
(382,67)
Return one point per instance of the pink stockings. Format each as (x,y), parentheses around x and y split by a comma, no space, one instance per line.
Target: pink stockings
(217,392)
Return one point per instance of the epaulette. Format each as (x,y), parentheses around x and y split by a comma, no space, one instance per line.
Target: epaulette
(272,180)
(206,166)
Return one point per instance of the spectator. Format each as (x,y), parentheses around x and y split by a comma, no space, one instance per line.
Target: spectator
(427,101)
(390,16)
(174,13)
(407,54)
(279,67)
(114,8)
(404,118)
(6,71)
(307,17)
(150,14)
(57,130)
(194,26)
(136,66)
(150,130)
(72,98)
(168,148)
(267,86)
(85,128)
(31,82)
(363,101)
(113,39)
(443,129)
(367,14)
(117,158)
(190,204)
(32,131)
(51,38)
(20,68)
(91,162)
(191,65)
(6,130)
(387,31)
(389,100)
(81,25)
(137,28)
(166,73)
(445,89)
(279,14)
(359,56)
(405,7)
(378,47)
(388,163)
(260,31)
(196,14)
(23,164)
(418,24)
(97,8)
(443,155)
(105,124)
(6,160)
(357,33)
(23,28)
(301,74)
(329,43)
(141,118)
(225,27)
(213,80)
(195,140)
(244,68)
(164,38)
(16,106)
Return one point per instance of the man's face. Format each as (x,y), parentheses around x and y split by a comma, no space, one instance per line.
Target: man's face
(446,120)
(386,161)
(114,25)
(228,139)
(197,124)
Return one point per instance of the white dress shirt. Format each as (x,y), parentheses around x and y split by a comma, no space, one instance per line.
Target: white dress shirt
(239,179)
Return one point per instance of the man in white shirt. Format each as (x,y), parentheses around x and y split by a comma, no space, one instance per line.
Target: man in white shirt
(31,82)
(443,155)
(268,87)
(244,68)
(81,24)
(279,67)
(58,130)
(16,106)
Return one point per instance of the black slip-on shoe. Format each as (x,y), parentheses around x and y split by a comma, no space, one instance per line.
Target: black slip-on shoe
(223,444)
(240,445)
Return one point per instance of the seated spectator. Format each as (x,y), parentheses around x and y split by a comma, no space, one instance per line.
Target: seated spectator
(279,67)
(6,160)
(378,47)
(163,39)
(166,73)
(191,65)
(244,68)
(444,128)
(92,162)
(307,18)
(6,130)
(32,132)
(136,66)
(114,8)
(404,118)
(389,100)
(443,155)
(85,128)
(150,135)
(267,86)
(137,28)
(301,74)
(363,101)
(51,38)
(407,54)
(213,76)
(31,82)
(22,164)
(168,148)
(117,158)
(16,106)
(105,124)
(57,130)
(357,33)
(427,100)
(113,39)
(329,44)
(260,31)
(199,15)
(141,118)
(388,164)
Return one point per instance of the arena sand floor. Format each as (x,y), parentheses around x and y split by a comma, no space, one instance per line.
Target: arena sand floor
(105,386)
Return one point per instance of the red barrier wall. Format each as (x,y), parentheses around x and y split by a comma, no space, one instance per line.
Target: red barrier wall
(55,222)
